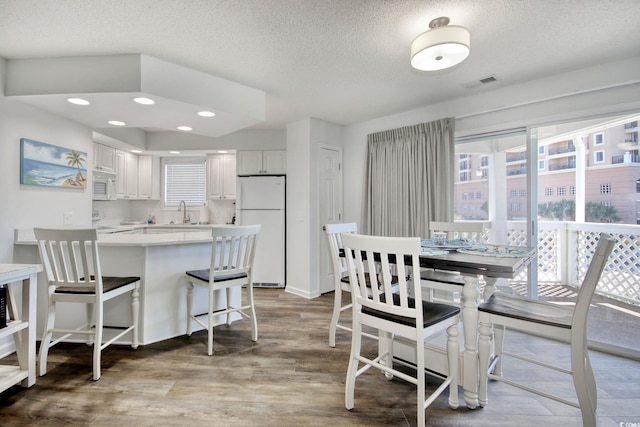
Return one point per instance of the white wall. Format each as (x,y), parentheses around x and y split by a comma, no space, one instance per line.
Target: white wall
(25,206)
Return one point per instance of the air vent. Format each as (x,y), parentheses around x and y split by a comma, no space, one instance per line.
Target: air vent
(489,79)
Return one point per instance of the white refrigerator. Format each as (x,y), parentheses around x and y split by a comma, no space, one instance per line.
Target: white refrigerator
(261,200)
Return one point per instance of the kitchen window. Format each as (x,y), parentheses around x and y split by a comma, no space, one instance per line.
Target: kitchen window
(184,179)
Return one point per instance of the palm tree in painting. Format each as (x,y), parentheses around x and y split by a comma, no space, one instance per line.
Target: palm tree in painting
(74,158)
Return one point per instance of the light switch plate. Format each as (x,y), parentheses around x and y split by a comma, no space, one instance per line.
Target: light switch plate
(67,218)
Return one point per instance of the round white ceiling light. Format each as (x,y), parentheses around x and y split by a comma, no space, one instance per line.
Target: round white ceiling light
(78,101)
(440,47)
(144,101)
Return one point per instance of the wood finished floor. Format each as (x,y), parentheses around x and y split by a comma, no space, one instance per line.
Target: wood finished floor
(290,377)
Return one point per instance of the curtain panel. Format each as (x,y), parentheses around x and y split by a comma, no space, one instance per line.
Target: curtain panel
(409,179)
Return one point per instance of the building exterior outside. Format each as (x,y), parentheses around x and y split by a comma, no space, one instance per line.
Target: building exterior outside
(611,186)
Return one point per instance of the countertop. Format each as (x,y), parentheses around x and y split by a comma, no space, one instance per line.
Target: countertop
(172,237)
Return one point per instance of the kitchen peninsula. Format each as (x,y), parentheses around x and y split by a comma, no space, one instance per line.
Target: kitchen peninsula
(160,259)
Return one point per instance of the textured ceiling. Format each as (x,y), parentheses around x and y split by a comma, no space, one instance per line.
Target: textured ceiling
(342,61)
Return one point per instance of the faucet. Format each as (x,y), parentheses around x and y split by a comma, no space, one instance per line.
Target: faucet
(185,217)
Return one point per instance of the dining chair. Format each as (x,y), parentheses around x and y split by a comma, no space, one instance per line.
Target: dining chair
(561,323)
(340,275)
(438,282)
(232,253)
(72,265)
(396,314)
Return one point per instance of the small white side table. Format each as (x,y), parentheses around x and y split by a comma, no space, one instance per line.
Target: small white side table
(21,325)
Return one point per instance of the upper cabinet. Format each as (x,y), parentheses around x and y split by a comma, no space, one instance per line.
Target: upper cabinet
(138,176)
(104,158)
(221,176)
(258,162)
(148,177)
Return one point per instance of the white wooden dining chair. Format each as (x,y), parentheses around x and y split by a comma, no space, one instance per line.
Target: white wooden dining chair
(72,266)
(340,275)
(562,323)
(396,314)
(449,283)
(232,254)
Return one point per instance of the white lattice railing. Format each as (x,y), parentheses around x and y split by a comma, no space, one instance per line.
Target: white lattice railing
(565,250)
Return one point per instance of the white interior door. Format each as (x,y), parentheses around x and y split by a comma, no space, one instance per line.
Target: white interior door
(330,207)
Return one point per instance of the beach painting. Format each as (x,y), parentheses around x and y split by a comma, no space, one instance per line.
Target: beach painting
(52,166)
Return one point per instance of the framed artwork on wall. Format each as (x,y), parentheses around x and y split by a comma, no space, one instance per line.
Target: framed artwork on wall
(51,165)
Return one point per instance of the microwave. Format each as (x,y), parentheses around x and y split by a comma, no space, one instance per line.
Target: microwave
(104,185)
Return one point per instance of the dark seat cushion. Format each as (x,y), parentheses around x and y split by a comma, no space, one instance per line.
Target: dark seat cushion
(525,309)
(432,312)
(218,277)
(108,284)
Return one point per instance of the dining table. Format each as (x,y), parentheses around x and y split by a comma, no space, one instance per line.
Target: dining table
(491,262)
(473,262)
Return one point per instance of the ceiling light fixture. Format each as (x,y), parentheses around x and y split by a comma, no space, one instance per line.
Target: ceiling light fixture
(174,152)
(136,151)
(144,101)
(206,113)
(116,123)
(78,101)
(441,47)
(185,128)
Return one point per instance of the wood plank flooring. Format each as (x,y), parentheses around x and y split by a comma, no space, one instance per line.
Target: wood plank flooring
(290,377)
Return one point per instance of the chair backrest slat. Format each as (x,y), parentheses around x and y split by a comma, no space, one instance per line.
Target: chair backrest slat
(334,240)
(70,256)
(399,255)
(233,249)
(590,282)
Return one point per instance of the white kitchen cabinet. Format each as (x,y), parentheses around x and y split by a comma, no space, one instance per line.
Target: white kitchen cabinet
(127,168)
(262,162)
(148,177)
(138,176)
(221,176)
(121,170)
(104,158)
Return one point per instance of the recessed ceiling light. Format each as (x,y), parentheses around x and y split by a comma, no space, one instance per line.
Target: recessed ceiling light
(174,152)
(116,123)
(206,113)
(185,128)
(136,151)
(144,101)
(78,101)
(222,151)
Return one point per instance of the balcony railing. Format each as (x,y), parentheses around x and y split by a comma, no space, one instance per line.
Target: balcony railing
(517,157)
(634,158)
(556,167)
(520,171)
(565,250)
(561,150)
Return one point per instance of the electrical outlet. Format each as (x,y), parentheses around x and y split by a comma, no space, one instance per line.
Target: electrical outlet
(67,218)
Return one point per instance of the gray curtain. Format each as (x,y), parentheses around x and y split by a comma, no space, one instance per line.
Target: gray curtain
(409,179)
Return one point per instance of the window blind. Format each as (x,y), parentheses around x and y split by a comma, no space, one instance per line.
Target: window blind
(185,179)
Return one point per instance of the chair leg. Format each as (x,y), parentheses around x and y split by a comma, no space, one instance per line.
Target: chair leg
(210,323)
(189,305)
(498,342)
(97,344)
(582,381)
(90,322)
(337,305)
(453,355)
(421,383)
(484,350)
(46,337)
(228,303)
(352,370)
(135,315)
(252,308)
